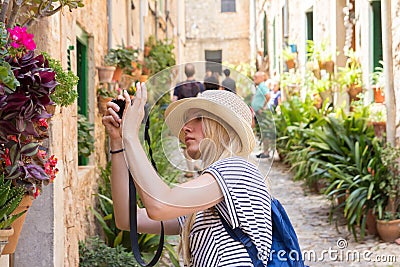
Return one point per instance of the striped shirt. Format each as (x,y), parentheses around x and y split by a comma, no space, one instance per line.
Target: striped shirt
(246,204)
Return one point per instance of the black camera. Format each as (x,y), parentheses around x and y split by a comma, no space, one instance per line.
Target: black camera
(121,104)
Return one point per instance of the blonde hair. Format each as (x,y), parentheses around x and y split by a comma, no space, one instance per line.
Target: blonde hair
(220,142)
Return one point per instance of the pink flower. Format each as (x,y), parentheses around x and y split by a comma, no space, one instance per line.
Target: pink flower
(21,40)
(42,154)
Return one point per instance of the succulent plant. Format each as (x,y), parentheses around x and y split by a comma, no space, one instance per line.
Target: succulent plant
(10,197)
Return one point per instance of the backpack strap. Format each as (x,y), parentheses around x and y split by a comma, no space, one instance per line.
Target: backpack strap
(238,235)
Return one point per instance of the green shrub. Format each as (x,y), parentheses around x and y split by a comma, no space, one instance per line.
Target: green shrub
(96,253)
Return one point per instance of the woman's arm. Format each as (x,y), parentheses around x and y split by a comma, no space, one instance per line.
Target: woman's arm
(162,202)
(120,183)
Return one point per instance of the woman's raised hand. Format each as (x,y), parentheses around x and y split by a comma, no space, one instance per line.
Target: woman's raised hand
(134,113)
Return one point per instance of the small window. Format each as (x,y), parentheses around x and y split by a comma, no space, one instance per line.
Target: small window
(214,60)
(228,5)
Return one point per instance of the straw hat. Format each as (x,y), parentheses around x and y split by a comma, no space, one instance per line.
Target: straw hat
(224,106)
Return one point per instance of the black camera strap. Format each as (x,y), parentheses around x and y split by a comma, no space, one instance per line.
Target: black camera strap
(133,212)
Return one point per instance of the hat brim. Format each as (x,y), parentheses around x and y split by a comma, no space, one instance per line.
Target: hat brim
(175,119)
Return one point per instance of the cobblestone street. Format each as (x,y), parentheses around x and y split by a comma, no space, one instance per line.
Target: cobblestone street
(326,244)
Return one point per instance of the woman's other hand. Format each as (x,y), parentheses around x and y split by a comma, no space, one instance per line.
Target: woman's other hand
(111,120)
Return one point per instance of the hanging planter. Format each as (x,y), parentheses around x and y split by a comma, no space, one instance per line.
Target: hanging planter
(105,73)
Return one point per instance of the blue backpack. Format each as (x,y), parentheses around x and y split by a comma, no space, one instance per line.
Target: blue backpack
(285,249)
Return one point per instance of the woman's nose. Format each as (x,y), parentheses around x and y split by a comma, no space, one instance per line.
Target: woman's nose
(187,127)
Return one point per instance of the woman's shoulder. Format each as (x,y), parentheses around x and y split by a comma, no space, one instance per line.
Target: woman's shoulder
(236,166)
(234,160)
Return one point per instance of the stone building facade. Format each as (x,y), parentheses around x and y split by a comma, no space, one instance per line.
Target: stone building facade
(217,32)
(61,216)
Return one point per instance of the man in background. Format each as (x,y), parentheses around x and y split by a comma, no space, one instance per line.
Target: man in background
(228,84)
(190,87)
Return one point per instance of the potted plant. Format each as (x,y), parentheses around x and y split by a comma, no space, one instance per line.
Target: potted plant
(377,117)
(350,76)
(377,80)
(160,57)
(65,92)
(85,136)
(289,57)
(121,57)
(23,118)
(388,205)
(10,198)
(104,96)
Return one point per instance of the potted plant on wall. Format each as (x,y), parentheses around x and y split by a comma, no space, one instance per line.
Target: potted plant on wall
(65,92)
(104,95)
(377,80)
(388,205)
(24,160)
(289,57)
(10,198)
(122,58)
(350,76)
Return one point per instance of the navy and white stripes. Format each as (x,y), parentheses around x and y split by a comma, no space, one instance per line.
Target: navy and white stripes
(246,204)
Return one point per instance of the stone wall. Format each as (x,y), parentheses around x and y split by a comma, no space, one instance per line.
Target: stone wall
(61,216)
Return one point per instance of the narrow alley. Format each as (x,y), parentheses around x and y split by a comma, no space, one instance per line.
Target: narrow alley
(324,243)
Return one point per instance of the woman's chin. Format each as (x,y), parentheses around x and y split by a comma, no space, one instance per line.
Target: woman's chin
(195,155)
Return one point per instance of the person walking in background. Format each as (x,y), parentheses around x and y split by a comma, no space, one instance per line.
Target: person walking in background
(228,83)
(188,88)
(259,103)
(211,82)
(275,99)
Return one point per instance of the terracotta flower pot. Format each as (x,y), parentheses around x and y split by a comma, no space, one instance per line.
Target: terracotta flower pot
(147,50)
(105,73)
(117,74)
(379,128)
(378,94)
(26,202)
(371,223)
(290,64)
(143,78)
(388,231)
(329,66)
(102,104)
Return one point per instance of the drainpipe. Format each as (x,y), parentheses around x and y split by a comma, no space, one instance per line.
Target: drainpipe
(253,32)
(386,10)
(109,24)
(178,31)
(156,20)
(141,26)
(286,23)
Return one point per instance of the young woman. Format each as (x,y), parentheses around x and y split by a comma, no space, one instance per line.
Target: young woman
(216,128)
